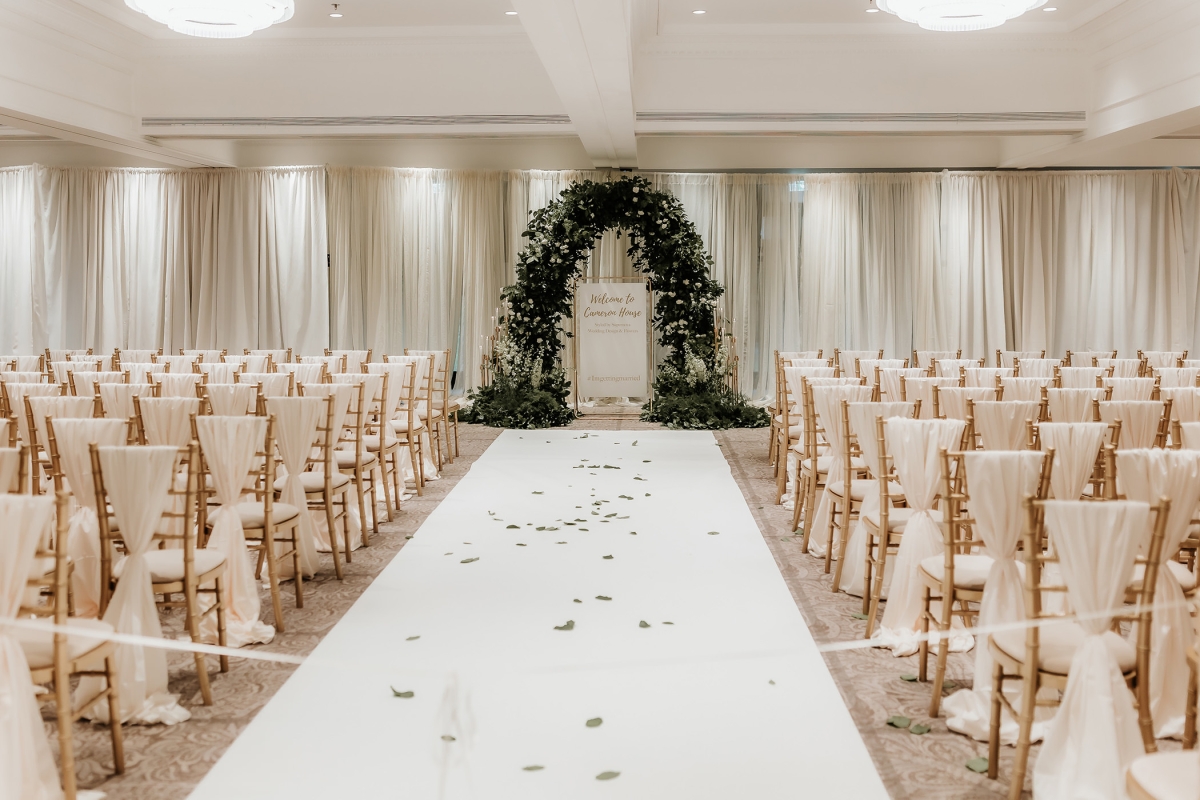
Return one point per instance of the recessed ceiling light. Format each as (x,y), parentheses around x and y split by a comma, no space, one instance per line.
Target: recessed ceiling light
(510,13)
(872,10)
(1052,8)
(336,14)
(698,11)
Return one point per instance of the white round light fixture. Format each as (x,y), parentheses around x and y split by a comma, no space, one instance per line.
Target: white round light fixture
(959,15)
(216,19)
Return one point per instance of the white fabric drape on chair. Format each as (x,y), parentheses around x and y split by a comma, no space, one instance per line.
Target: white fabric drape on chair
(914,446)
(1095,733)
(28,772)
(1146,476)
(998,483)
(229,445)
(137,479)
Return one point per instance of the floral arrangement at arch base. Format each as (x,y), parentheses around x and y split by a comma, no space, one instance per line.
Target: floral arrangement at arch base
(529,388)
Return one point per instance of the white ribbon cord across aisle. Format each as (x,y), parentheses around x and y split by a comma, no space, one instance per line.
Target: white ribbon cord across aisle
(296,420)
(137,480)
(1095,734)
(72,437)
(998,483)
(27,768)
(915,446)
(1146,476)
(229,445)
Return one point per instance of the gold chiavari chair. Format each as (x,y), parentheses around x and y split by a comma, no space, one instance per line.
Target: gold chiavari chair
(57,657)
(178,567)
(1040,655)
(325,486)
(352,457)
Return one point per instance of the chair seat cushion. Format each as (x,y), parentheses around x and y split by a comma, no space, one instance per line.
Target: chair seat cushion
(970,570)
(400,427)
(314,482)
(254,515)
(39,645)
(1165,776)
(371,442)
(898,518)
(347,459)
(1058,643)
(1186,578)
(166,566)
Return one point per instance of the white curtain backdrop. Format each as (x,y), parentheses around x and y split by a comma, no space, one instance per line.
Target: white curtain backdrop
(997,260)
(106,258)
(417,258)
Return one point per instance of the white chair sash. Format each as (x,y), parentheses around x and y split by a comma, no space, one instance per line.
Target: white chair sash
(17,392)
(952,401)
(72,436)
(232,400)
(1072,405)
(1177,377)
(1079,377)
(1162,359)
(986,376)
(1185,403)
(218,373)
(140,373)
(862,424)
(1131,388)
(998,482)
(1095,734)
(167,420)
(1139,421)
(273,384)
(1024,388)
(137,480)
(1076,446)
(10,467)
(170,385)
(1037,367)
(827,400)
(951,367)
(296,420)
(1121,367)
(58,408)
(915,446)
(28,769)
(304,373)
(229,445)
(116,399)
(1001,423)
(1147,475)
(889,383)
(922,389)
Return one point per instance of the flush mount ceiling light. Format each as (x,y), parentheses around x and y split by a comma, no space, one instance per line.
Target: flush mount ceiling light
(216,19)
(959,15)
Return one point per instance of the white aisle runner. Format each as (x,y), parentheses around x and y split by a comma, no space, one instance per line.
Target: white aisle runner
(732,700)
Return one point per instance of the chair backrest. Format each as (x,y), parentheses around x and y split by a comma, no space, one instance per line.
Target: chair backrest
(953,367)
(922,389)
(1131,388)
(14,395)
(925,358)
(888,381)
(249,363)
(218,372)
(83,384)
(985,376)
(1185,403)
(1073,405)
(1087,358)
(1023,388)
(1009,358)
(116,399)
(787,355)
(204,356)
(14,470)
(1036,367)
(172,385)
(232,400)
(39,409)
(331,430)
(278,356)
(180,364)
(868,368)
(24,377)
(844,359)
(1078,377)
(70,462)
(140,373)
(128,357)
(165,421)
(1158,359)
(354,358)
(1177,377)
(439,378)
(1144,423)
(1121,367)
(861,419)
(1003,424)
(270,384)
(1078,455)
(306,373)
(950,402)
(400,385)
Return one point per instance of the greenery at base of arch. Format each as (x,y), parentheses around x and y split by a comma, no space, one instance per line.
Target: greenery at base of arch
(529,388)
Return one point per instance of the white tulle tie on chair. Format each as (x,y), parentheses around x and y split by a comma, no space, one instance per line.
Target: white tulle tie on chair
(1095,735)
(296,420)
(72,437)
(137,479)
(1148,475)
(27,768)
(229,445)
(915,446)
(828,403)
(998,482)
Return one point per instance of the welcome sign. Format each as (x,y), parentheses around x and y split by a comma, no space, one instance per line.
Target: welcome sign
(611,330)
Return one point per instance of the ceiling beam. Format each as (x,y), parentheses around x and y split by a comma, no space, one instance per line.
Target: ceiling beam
(585,46)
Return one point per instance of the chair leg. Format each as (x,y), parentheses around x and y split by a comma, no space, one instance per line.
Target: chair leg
(1189,723)
(868,567)
(273,581)
(114,713)
(397,477)
(191,608)
(416,465)
(360,485)
(923,647)
(994,721)
(842,545)
(1021,760)
(295,541)
(362,525)
(66,729)
(384,478)
(877,585)
(221,638)
(334,545)
(939,676)
(833,514)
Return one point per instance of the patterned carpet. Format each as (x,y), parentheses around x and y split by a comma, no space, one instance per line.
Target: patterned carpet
(165,763)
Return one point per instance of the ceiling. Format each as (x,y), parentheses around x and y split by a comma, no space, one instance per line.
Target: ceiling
(749,84)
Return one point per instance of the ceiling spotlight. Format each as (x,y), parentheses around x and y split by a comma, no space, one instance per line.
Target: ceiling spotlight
(1051,8)
(872,9)
(336,14)
(510,13)
(698,11)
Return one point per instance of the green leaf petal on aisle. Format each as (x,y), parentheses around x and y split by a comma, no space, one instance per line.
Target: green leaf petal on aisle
(400,694)
(602,597)
(594,722)
(533,768)
(607,776)
(858,616)
(512,527)
(608,558)
(469,560)
(569,625)
(643,624)
(909,678)
(448,738)
(412,638)
(919,730)
(899,721)
(714,533)
(978,765)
